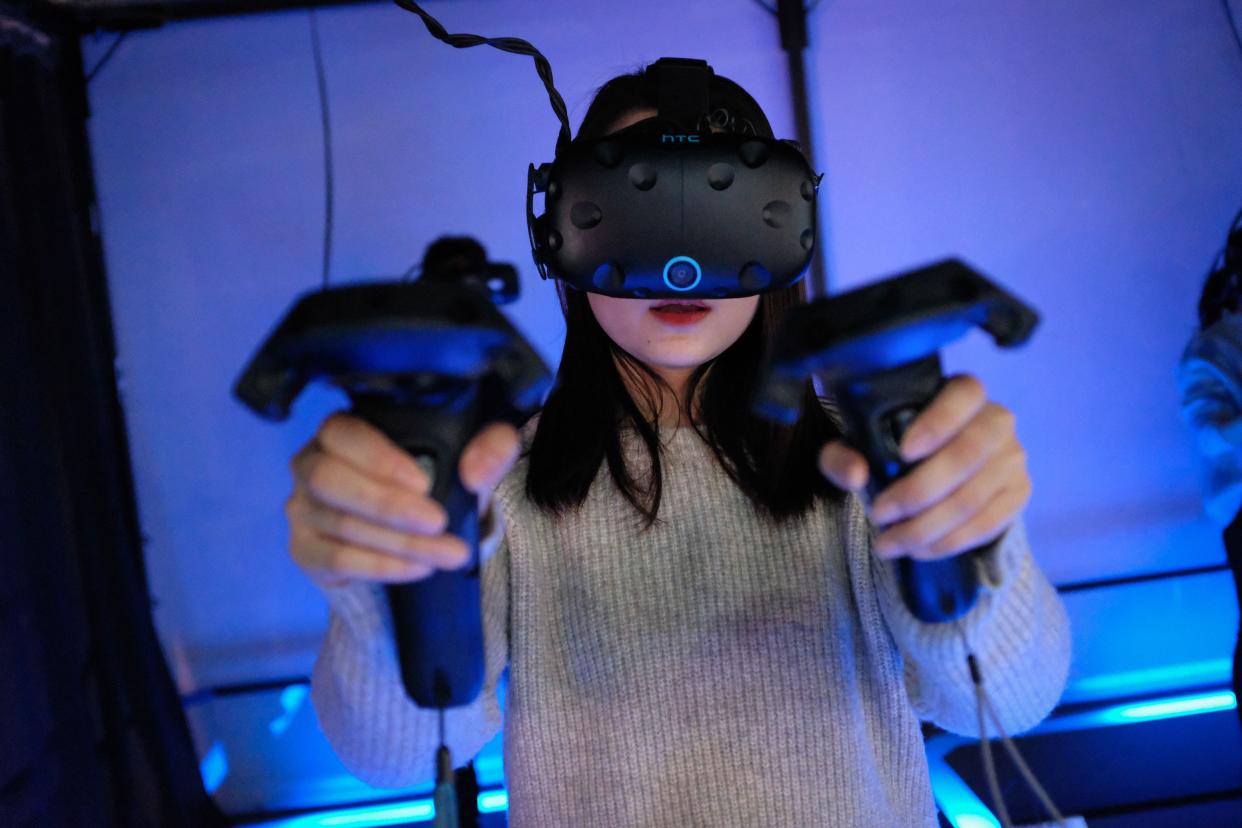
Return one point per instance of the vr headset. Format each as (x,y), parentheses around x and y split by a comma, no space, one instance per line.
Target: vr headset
(667,207)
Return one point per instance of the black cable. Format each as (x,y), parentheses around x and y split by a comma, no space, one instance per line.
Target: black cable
(773,10)
(106,56)
(1233,24)
(327,147)
(506,44)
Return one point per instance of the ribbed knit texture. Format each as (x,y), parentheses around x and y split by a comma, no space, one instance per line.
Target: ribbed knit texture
(713,670)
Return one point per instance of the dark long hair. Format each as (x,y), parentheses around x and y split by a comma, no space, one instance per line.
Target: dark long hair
(581,422)
(1222,290)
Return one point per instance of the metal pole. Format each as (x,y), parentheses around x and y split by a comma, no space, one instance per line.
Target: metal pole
(791,16)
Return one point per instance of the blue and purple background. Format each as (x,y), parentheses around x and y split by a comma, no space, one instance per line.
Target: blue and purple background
(1088,156)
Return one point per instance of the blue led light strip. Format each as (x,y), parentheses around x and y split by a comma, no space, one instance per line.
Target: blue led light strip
(390,813)
(1167,678)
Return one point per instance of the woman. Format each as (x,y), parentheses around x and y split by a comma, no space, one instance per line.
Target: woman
(698,625)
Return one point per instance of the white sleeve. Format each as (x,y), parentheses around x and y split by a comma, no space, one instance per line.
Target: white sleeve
(377,732)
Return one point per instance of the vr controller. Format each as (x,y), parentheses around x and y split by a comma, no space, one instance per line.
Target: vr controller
(877,351)
(428,363)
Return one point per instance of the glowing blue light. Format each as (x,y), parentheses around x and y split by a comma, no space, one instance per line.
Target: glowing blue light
(214,767)
(419,811)
(976,821)
(493,801)
(489,766)
(959,804)
(698,272)
(1184,706)
(401,813)
(1134,712)
(291,699)
(1134,682)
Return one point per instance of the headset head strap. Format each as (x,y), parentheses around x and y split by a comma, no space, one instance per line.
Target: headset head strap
(680,88)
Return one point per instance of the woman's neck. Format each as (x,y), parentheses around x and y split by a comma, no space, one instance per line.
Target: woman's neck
(674,410)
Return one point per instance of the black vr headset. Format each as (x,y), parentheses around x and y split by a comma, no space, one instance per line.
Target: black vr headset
(665,207)
(669,207)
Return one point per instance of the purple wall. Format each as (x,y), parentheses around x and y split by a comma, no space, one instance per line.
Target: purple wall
(1088,156)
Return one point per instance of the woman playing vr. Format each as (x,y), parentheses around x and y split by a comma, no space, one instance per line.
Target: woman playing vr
(700,623)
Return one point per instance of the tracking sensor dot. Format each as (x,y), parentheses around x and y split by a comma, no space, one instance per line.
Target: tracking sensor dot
(608,153)
(776,213)
(753,153)
(585,215)
(608,277)
(754,276)
(720,176)
(643,176)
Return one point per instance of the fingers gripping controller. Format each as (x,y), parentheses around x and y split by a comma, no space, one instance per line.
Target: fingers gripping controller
(877,351)
(428,364)
(437,621)
(878,408)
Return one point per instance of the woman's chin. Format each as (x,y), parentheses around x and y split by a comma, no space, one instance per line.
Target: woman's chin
(677,362)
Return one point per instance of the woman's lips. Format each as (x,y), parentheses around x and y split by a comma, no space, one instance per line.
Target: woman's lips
(680,315)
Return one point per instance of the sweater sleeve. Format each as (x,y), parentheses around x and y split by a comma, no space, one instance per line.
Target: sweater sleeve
(377,732)
(1018,631)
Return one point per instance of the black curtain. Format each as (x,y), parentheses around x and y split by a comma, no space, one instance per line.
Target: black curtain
(92,732)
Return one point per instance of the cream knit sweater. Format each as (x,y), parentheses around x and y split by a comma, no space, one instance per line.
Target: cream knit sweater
(713,670)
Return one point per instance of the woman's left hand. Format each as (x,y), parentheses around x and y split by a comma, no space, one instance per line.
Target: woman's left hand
(971,483)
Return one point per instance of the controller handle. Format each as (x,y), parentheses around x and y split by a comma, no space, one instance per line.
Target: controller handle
(878,408)
(438,621)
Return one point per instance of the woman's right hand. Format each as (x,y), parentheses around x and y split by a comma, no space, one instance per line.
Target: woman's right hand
(361,508)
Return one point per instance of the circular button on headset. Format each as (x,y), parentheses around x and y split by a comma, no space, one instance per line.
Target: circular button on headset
(682,273)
